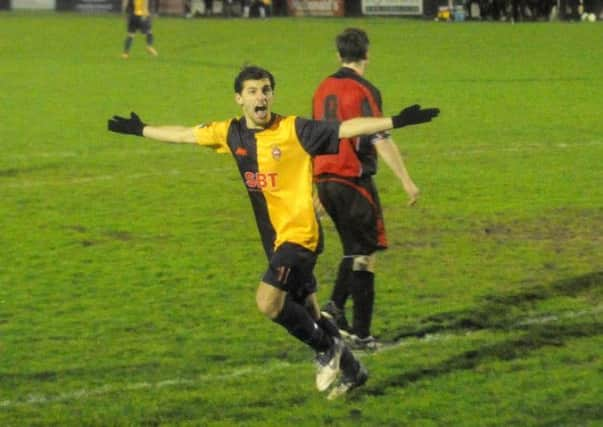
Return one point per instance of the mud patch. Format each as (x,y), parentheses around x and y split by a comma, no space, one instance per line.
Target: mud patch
(557,225)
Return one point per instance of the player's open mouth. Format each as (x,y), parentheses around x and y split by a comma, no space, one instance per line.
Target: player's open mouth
(261,111)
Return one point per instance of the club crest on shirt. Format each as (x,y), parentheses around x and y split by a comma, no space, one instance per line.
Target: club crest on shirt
(240,151)
(276,152)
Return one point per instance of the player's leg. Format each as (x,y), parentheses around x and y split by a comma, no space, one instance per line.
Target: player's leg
(296,319)
(356,278)
(340,355)
(357,216)
(353,377)
(362,286)
(335,307)
(276,297)
(127,45)
(150,48)
(279,307)
(146,29)
(370,237)
(333,197)
(132,25)
(354,373)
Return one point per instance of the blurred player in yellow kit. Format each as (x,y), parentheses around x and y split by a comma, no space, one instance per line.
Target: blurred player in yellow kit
(139,19)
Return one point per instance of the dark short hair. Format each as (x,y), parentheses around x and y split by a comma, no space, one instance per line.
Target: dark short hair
(252,72)
(352,45)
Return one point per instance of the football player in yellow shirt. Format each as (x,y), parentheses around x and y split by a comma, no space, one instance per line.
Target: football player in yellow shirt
(139,19)
(274,157)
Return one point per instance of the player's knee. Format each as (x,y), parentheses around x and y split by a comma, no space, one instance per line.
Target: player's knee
(364,263)
(269,305)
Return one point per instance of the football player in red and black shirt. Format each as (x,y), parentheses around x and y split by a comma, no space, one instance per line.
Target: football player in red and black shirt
(346,188)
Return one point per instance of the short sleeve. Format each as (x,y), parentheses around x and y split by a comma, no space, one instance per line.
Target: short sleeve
(213,135)
(380,136)
(371,107)
(318,137)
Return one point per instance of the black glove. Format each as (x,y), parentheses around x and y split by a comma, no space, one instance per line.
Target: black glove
(413,115)
(132,126)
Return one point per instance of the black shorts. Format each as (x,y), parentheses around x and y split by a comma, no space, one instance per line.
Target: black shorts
(291,269)
(354,206)
(142,23)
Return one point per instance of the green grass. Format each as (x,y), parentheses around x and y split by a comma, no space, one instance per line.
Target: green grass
(128,268)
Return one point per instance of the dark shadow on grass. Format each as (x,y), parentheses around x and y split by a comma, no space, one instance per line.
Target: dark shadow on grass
(14,172)
(536,337)
(496,311)
(584,413)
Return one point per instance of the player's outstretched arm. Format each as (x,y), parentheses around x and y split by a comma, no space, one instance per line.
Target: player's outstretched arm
(412,115)
(173,134)
(364,126)
(135,126)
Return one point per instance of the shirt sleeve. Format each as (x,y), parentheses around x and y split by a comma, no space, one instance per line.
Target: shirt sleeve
(213,135)
(375,111)
(318,137)
(378,137)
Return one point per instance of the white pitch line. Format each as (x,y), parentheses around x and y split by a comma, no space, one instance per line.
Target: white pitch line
(38,399)
(554,317)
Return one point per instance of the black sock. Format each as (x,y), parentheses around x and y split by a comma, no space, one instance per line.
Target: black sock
(363,294)
(329,327)
(299,323)
(341,291)
(349,364)
(149,39)
(128,44)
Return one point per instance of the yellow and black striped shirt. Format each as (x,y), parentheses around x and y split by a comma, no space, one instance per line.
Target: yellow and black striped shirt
(275,164)
(138,7)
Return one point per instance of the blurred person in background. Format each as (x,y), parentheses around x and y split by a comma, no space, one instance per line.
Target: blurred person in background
(257,8)
(138,19)
(209,7)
